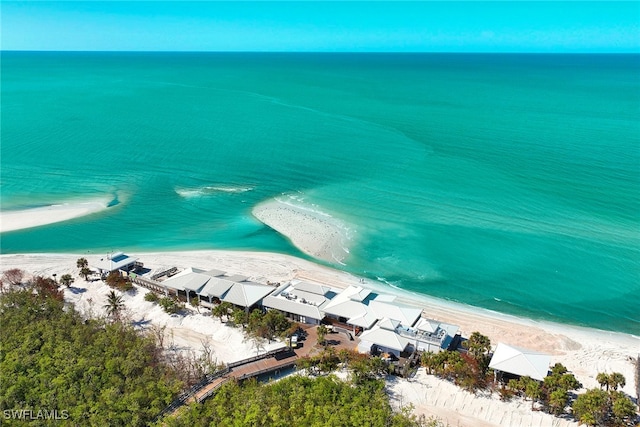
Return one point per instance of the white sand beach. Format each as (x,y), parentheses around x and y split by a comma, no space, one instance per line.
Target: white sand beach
(319,236)
(585,352)
(28,218)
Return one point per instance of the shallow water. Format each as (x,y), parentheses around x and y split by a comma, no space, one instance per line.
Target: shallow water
(509,182)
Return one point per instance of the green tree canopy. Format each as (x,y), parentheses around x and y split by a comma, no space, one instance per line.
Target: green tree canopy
(101,373)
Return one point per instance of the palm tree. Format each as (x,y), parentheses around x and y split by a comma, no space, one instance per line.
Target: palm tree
(82,263)
(616,380)
(66,280)
(114,305)
(322,333)
(603,380)
(477,345)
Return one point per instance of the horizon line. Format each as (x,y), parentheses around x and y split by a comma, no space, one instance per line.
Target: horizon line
(328,52)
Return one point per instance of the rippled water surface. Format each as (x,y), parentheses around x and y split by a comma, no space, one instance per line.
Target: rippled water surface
(509,182)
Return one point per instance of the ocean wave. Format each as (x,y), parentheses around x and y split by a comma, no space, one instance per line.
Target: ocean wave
(209,190)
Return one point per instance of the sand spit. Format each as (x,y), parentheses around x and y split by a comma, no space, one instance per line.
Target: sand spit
(28,218)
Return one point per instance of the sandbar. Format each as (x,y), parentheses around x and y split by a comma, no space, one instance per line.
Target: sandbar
(314,233)
(12,220)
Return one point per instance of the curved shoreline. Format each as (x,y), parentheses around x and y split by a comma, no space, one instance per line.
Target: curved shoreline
(317,236)
(35,217)
(584,351)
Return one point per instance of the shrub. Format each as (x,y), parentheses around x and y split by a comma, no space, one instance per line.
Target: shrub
(170,305)
(151,297)
(115,280)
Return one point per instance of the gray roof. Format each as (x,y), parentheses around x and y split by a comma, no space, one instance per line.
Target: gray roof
(313,288)
(246,294)
(214,273)
(179,281)
(196,282)
(303,296)
(292,306)
(236,278)
(216,287)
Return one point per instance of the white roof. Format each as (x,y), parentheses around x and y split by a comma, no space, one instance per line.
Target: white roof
(520,361)
(358,293)
(114,262)
(313,288)
(236,278)
(385,338)
(402,313)
(389,324)
(307,296)
(246,294)
(292,306)
(427,325)
(365,320)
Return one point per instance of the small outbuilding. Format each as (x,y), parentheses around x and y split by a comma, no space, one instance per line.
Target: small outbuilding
(521,362)
(115,262)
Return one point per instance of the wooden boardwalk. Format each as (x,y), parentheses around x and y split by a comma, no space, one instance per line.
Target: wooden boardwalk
(244,371)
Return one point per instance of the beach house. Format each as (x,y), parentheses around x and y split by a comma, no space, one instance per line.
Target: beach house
(301,301)
(511,361)
(214,286)
(117,261)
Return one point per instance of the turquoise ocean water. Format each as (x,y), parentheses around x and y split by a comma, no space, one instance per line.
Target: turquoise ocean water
(509,182)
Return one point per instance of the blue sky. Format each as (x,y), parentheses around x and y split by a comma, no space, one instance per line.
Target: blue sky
(454,26)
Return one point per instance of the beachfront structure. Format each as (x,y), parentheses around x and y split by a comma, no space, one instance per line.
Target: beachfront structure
(388,326)
(215,286)
(391,336)
(191,281)
(300,301)
(362,308)
(117,261)
(247,294)
(520,362)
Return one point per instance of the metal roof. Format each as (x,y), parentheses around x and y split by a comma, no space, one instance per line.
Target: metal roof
(246,294)
(292,306)
(313,288)
(520,361)
(402,313)
(385,338)
(216,287)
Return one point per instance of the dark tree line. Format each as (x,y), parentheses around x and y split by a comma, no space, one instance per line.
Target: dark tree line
(101,373)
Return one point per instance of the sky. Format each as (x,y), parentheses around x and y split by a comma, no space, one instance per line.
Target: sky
(327,26)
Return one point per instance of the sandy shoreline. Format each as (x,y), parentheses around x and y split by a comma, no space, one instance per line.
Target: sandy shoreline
(320,237)
(35,217)
(583,351)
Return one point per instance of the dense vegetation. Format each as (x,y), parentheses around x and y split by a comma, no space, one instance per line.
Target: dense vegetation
(99,372)
(554,395)
(295,401)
